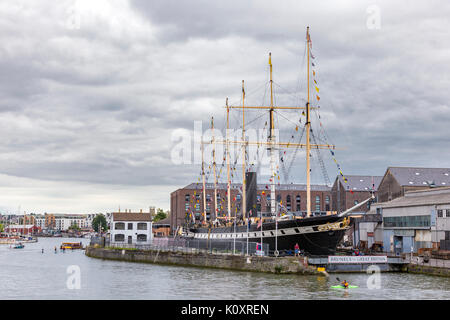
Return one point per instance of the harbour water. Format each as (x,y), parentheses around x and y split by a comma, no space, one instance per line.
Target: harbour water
(30,274)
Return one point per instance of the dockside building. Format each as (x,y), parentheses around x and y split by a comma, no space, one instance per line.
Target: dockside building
(353,190)
(419,219)
(131,228)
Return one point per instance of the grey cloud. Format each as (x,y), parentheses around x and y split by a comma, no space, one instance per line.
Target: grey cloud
(99,104)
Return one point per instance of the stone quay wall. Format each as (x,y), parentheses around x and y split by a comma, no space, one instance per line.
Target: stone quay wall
(431,266)
(280,265)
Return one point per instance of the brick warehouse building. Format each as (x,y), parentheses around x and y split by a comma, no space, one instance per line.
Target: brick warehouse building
(354,191)
(293,196)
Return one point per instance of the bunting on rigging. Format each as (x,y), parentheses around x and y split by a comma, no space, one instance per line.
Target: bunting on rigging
(339,169)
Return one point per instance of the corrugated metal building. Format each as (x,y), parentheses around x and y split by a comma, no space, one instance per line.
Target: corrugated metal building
(419,219)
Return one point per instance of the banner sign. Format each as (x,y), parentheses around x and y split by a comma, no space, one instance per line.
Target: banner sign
(357,259)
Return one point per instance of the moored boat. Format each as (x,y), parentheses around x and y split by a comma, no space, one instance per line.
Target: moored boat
(71,245)
(19,246)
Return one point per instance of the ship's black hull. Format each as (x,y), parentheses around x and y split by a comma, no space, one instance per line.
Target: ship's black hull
(315,235)
(321,243)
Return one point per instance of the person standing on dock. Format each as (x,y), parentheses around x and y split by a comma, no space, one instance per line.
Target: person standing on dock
(296,248)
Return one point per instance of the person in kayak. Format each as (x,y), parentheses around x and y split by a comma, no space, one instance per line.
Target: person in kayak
(345,284)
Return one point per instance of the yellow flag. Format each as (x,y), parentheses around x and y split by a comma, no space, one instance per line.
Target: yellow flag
(317,89)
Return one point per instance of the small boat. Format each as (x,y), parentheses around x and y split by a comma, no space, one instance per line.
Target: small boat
(71,245)
(19,246)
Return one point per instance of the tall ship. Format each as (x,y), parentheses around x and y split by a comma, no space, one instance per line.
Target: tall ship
(282,229)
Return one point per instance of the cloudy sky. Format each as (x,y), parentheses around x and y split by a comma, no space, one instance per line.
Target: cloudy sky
(92,93)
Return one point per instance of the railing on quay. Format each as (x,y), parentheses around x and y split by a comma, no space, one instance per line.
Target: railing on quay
(189,246)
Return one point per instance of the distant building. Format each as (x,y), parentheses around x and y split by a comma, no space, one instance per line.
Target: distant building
(39,221)
(419,219)
(28,219)
(399,180)
(62,221)
(131,228)
(28,229)
(55,222)
(346,194)
(10,218)
(162,228)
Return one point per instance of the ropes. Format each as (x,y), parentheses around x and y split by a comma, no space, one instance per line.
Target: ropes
(322,165)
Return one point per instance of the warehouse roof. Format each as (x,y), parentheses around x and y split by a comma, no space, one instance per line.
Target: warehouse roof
(131,216)
(419,198)
(409,176)
(361,183)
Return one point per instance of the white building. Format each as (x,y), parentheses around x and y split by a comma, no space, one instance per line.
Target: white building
(62,221)
(39,222)
(131,228)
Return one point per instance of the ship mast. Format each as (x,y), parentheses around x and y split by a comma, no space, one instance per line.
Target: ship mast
(271,141)
(244,202)
(214,169)
(272,144)
(228,162)
(204,183)
(308,143)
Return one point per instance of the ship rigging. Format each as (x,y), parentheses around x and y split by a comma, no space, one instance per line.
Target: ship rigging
(314,234)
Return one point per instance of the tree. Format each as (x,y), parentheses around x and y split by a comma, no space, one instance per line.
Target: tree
(74,227)
(99,221)
(160,215)
(1,228)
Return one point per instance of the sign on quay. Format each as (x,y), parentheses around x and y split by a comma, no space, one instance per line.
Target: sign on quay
(357,259)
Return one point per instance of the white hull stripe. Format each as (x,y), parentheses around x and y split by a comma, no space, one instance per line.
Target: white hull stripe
(269,233)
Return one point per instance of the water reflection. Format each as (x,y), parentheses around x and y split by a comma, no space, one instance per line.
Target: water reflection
(30,274)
